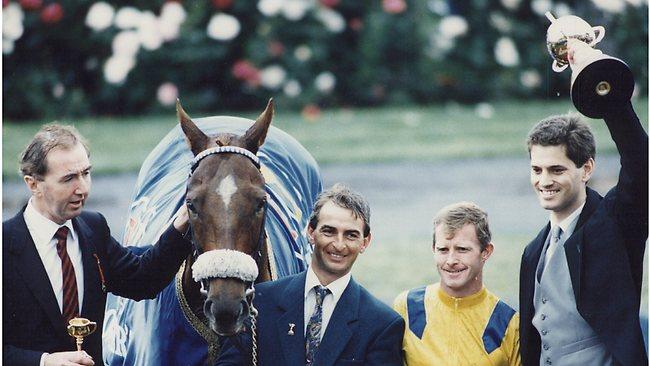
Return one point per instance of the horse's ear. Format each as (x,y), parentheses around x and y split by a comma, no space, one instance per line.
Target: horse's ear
(254,137)
(197,140)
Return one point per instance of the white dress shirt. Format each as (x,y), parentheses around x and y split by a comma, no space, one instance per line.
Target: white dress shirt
(329,302)
(42,231)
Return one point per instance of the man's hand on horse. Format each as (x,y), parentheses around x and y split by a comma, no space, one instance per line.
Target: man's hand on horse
(182,221)
(73,358)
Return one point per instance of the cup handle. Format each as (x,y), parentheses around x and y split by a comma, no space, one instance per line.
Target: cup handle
(558,68)
(600,34)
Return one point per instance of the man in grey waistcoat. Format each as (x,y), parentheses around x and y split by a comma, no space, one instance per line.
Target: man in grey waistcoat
(580,280)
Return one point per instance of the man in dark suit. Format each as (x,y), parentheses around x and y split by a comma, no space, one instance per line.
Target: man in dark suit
(580,280)
(322,316)
(58,261)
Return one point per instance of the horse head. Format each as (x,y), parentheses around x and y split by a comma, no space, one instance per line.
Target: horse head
(226,201)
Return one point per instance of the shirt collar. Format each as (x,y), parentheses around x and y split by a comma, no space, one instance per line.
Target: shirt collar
(460,302)
(569,223)
(40,227)
(336,287)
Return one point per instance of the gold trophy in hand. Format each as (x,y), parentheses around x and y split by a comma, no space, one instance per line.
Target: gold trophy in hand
(598,81)
(80,328)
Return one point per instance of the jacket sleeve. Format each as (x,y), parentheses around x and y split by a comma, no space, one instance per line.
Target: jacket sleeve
(387,347)
(140,276)
(20,357)
(631,203)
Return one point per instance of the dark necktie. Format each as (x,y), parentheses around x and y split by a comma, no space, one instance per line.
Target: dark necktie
(313,335)
(70,296)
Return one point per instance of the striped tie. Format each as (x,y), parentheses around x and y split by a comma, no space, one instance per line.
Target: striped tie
(315,323)
(70,296)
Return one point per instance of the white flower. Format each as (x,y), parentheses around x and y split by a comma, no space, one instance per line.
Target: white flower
(128,17)
(12,22)
(100,16)
(126,43)
(332,20)
(505,52)
(530,79)
(302,53)
(167,94)
(117,68)
(295,9)
(636,3)
(439,7)
(325,82)
(7,46)
(511,4)
(292,88)
(500,22)
(223,27)
(270,8)
(484,110)
(172,12)
(453,26)
(58,90)
(148,34)
(610,6)
(272,76)
(541,6)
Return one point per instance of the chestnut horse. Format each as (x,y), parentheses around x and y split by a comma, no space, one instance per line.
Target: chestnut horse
(237,193)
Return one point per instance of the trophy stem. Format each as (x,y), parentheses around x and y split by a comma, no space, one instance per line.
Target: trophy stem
(550,17)
(80,340)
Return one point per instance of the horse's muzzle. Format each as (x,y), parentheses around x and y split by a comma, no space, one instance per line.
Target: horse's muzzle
(226,316)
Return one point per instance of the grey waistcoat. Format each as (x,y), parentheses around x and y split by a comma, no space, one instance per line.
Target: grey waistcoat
(566,337)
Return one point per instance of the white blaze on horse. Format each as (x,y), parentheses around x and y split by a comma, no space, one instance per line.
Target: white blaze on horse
(249,193)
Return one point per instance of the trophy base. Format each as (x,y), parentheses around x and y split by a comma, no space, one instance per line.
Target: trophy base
(601,85)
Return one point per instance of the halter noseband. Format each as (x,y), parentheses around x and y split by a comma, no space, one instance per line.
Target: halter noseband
(227,263)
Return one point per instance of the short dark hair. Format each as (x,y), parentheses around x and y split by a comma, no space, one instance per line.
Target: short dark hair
(566,130)
(33,160)
(344,197)
(455,216)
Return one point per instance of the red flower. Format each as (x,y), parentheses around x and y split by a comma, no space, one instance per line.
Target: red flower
(52,13)
(5,3)
(221,4)
(30,4)
(311,112)
(355,24)
(244,70)
(393,6)
(330,3)
(276,48)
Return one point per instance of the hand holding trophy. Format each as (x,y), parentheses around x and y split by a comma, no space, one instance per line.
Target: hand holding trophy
(598,81)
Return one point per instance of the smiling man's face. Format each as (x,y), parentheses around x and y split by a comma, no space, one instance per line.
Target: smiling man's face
(558,183)
(460,260)
(338,239)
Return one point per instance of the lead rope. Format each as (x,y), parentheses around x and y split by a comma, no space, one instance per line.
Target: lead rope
(254,333)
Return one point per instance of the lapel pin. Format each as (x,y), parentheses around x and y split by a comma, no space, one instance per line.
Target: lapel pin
(291,332)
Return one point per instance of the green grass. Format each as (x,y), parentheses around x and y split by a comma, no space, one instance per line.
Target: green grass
(342,135)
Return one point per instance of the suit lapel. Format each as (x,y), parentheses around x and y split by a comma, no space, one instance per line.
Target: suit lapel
(573,246)
(30,266)
(92,284)
(292,303)
(339,328)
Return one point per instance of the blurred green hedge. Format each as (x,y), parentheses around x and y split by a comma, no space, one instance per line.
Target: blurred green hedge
(307,54)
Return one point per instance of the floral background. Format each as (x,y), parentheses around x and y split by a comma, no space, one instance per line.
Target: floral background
(72,57)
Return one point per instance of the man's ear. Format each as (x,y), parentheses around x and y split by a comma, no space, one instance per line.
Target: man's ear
(310,235)
(588,169)
(32,184)
(366,242)
(487,252)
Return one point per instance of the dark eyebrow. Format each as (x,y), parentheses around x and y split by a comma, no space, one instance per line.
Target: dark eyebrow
(71,175)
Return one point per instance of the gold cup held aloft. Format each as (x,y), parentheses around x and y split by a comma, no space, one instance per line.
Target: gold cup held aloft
(598,81)
(80,328)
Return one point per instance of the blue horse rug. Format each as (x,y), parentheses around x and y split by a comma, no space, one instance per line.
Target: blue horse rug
(163,331)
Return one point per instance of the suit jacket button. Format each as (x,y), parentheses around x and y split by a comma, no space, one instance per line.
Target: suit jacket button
(544,300)
(546,347)
(544,331)
(543,316)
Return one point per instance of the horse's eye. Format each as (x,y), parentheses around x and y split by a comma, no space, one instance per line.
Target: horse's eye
(190,205)
(261,204)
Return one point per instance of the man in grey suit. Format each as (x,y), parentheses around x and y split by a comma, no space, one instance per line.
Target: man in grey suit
(580,280)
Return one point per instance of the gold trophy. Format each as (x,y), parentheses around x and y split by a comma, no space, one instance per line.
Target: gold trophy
(598,81)
(80,328)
